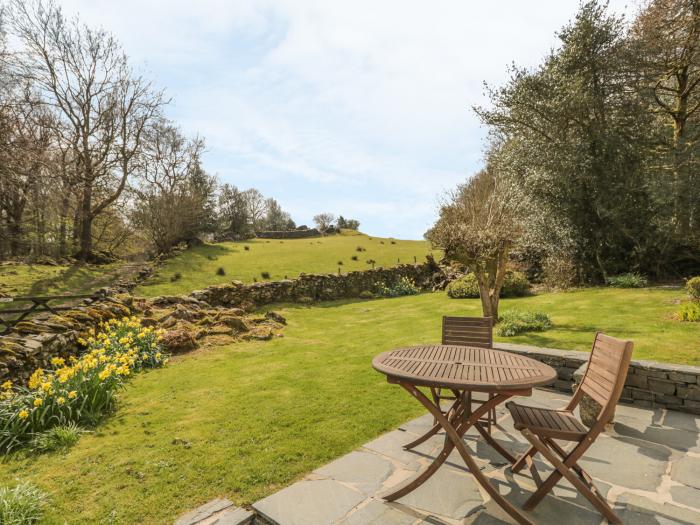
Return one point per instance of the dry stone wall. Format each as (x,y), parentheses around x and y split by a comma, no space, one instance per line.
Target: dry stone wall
(314,287)
(291,234)
(648,383)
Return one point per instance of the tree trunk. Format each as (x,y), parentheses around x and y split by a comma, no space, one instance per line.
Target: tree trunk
(86,224)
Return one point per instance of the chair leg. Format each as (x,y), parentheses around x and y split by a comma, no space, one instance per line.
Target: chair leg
(522,460)
(564,469)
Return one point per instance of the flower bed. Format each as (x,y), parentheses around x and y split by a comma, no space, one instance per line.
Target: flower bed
(81,391)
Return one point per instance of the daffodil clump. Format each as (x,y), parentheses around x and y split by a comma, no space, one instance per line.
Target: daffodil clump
(81,390)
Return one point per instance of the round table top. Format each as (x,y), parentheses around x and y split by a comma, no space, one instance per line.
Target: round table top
(463,368)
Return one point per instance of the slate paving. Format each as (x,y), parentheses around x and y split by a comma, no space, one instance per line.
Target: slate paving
(647,465)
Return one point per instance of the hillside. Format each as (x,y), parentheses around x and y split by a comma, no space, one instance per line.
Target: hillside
(198,267)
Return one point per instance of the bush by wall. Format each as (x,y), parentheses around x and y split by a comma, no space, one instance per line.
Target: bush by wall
(404,286)
(514,322)
(515,284)
(693,288)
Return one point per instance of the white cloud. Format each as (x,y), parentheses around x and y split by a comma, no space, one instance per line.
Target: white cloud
(361,108)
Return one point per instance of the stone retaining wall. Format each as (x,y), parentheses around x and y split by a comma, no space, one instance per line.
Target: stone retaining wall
(648,384)
(313,287)
(292,234)
(32,344)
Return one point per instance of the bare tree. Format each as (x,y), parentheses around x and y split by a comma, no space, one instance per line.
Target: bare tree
(102,106)
(478,227)
(256,208)
(324,221)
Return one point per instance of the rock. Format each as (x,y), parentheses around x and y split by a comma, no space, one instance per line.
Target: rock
(178,341)
(274,316)
(235,323)
(259,333)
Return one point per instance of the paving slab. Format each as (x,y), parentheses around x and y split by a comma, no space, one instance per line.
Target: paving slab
(450,492)
(626,462)
(204,512)
(686,495)
(365,471)
(391,445)
(686,470)
(380,513)
(642,511)
(309,502)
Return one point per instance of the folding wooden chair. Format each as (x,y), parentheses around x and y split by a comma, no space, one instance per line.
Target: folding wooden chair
(468,331)
(603,381)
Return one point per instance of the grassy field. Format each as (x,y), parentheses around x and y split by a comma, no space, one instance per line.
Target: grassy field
(27,279)
(198,267)
(259,415)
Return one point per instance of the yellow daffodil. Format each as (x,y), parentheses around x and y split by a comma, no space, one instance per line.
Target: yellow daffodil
(7,385)
(61,401)
(23,414)
(36,379)
(38,402)
(58,361)
(72,394)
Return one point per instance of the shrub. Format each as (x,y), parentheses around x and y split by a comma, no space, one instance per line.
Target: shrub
(247,248)
(393,242)
(305,299)
(371,261)
(465,287)
(403,286)
(176,277)
(360,249)
(693,287)
(81,391)
(628,280)
(340,263)
(689,312)
(61,437)
(265,275)
(355,258)
(220,271)
(22,505)
(515,284)
(514,322)
(366,294)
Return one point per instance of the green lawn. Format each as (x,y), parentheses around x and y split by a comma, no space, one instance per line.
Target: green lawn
(27,279)
(280,258)
(259,415)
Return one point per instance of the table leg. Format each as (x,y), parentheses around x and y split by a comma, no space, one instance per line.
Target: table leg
(435,428)
(454,439)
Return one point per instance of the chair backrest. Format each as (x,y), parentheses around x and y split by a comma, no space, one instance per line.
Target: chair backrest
(606,373)
(467,331)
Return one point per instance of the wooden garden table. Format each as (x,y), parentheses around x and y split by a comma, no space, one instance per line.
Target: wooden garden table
(462,369)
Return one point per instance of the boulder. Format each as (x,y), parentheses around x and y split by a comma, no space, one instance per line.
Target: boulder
(274,316)
(178,341)
(235,323)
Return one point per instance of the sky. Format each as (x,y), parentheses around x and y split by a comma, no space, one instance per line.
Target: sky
(358,108)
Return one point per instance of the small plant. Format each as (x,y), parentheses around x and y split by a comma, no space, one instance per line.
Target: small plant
(220,271)
(247,248)
(211,257)
(628,280)
(58,438)
(372,262)
(393,242)
(514,322)
(689,312)
(265,275)
(176,277)
(355,258)
(360,249)
(22,505)
(305,299)
(403,286)
(381,242)
(693,288)
(340,263)
(366,294)
(466,287)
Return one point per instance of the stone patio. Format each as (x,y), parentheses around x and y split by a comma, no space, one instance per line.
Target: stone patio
(648,465)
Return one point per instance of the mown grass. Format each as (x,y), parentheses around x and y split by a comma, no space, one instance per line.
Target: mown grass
(241,421)
(199,267)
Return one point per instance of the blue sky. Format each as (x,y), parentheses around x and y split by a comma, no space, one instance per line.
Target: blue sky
(360,108)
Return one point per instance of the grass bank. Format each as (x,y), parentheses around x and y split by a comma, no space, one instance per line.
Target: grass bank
(199,267)
(253,417)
